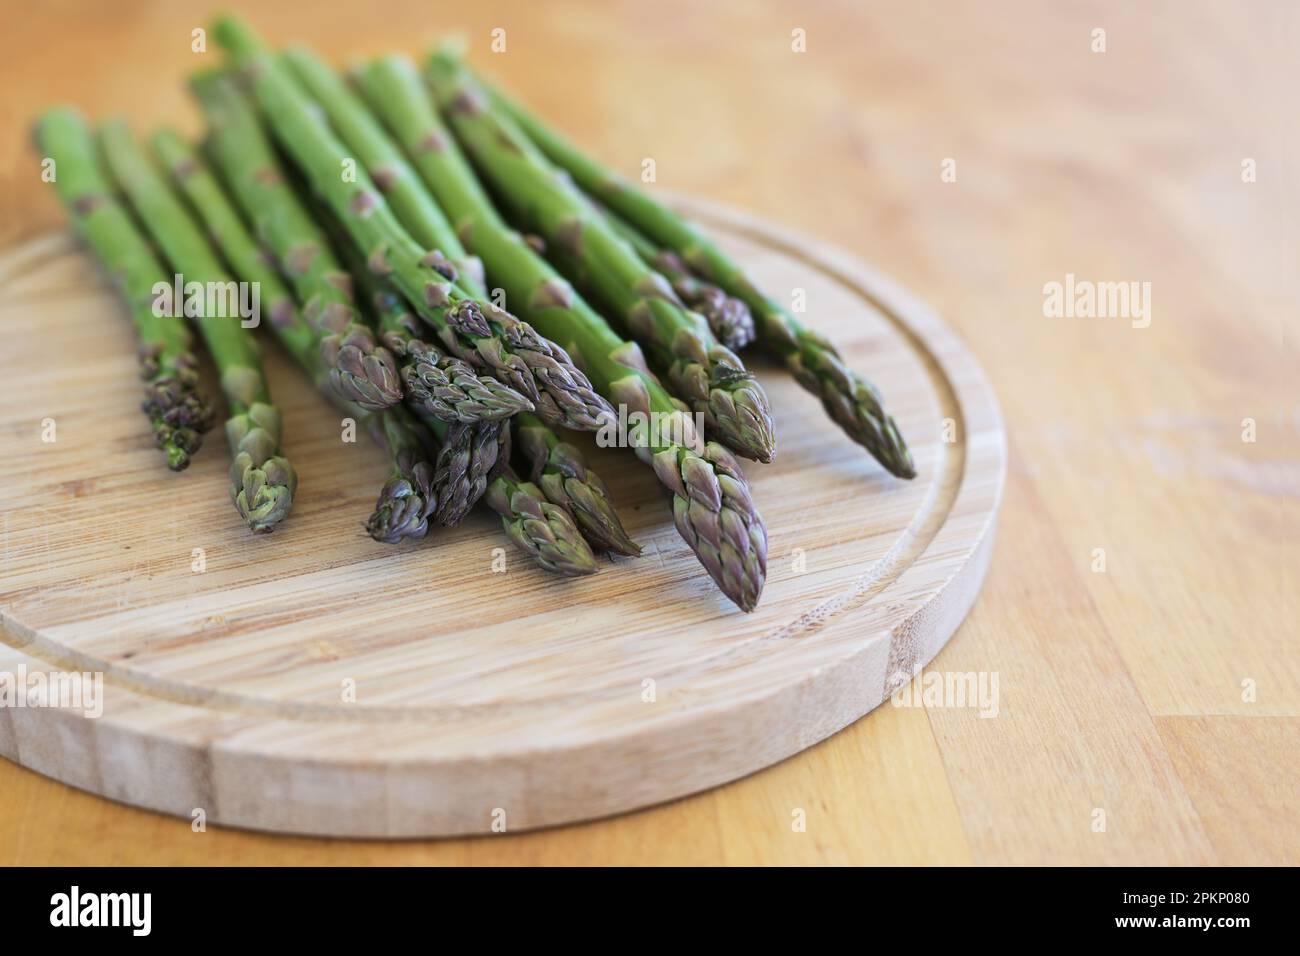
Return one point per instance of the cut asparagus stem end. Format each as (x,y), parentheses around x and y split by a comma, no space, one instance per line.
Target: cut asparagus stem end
(262,483)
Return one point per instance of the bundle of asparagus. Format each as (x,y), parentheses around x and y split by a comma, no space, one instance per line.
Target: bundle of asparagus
(262,482)
(850,400)
(354,205)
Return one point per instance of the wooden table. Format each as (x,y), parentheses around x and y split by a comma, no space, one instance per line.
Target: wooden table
(1141,611)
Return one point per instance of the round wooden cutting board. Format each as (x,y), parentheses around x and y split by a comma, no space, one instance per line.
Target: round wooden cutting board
(314,681)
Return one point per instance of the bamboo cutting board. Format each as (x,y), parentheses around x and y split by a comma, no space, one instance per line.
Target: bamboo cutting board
(314,681)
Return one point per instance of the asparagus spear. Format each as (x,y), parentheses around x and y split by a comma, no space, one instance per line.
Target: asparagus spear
(406,500)
(409,498)
(361,370)
(542,530)
(468,453)
(850,400)
(728,317)
(177,411)
(470,448)
(480,333)
(436,384)
(469,456)
(262,482)
(712,507)
(559,470)
(708,375)
(227,231)
(383,160)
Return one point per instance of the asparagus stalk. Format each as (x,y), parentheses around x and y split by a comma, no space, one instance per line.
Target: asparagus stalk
(542,530)
(559,469)
(483,334)
(177,411)
(439,384)
(712,507)
(700,369)
(225,227)
(466,413)
(466,453)
(729,318)
(850,399)
(436,384)
(407,499)
(357,128)
(469,457)
(262,482)
(361,370)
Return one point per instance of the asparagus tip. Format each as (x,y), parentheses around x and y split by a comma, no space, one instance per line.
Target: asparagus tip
(403,508)
(362,371)
(544,531)
(449,389)
(571,485)
(854,405)
(715,515)
(178,458)
(742,415)
(177,410)
(728,317)
(465,461)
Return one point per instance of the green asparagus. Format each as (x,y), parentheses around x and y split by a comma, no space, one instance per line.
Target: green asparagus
(388,168)
(485,335)
(467,450)
(262,481)
(407,499)
(225,227)
(542,530)
(699,369)
(712,507)
(361,370)
(436,384)
(377,289)
(849,399)
(559,470)
(177,410)
(728,317)
(440,384)
(469,456)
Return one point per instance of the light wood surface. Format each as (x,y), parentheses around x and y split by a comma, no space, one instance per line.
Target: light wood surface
(1121,690)
(313,681)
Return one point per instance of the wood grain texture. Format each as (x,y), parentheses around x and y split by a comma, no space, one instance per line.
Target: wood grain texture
(1117,166)
(312,681)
